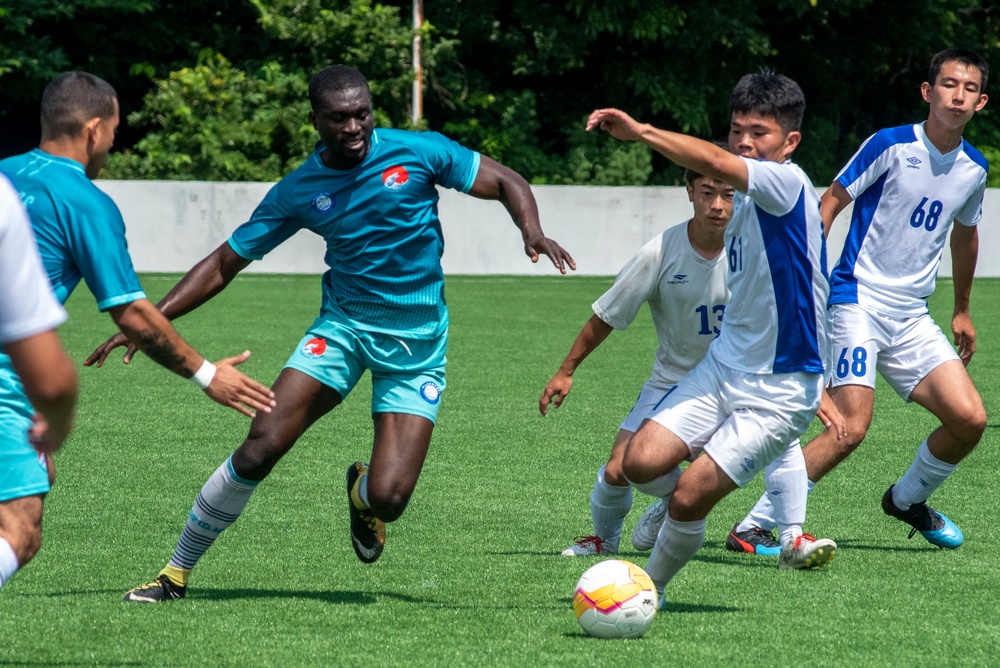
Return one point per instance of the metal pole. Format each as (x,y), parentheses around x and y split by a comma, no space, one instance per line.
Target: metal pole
(417,110)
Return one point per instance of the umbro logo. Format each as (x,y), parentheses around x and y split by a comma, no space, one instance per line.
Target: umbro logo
(678,278)
(914,161)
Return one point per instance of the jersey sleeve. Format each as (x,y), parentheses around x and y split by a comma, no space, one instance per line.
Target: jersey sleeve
(773,186)
(873,159)
(972,211)
(635,284)
(27,305)
(270,225)
(100,252)
(454,166)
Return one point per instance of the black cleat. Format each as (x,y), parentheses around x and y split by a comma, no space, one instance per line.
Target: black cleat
(367,531)
(753,541)
(932,525)
(160,589)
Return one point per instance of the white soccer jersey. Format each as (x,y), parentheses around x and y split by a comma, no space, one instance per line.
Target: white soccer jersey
(27,305)
(687,296)
(906,193)
(776,318)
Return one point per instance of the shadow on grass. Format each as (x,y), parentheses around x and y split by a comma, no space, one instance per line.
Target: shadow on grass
(868,546)
(69,663)
(210,594)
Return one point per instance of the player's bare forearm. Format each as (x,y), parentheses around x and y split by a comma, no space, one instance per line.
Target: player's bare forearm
(592,335)
(964,255)
(834,200)
(203,281)
(150,331)
(703,157)
(497,182)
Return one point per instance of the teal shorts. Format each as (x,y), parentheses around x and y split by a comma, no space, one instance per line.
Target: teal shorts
(407,374)
(22,468)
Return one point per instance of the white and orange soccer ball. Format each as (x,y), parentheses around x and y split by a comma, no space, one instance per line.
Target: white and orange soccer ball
(615,599)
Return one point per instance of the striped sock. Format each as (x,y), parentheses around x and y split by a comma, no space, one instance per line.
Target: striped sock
(219,503)
(8,562)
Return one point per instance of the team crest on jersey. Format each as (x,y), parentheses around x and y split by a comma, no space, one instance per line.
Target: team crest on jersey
(679,278)
(323,202)
(431,392)
(395,178)
(314,347)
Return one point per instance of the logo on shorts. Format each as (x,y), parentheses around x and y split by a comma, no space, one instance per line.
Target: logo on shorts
(430,392)
(323,202)
(395,178)
(747,465)
(314,347)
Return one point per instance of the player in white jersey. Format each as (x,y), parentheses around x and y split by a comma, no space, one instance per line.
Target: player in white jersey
(29,314)
(908,184)
(760,384)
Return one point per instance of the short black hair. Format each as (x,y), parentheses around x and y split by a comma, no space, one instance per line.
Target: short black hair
(72,99)
(964,56)
(770,94)
(690,176)
(334,78)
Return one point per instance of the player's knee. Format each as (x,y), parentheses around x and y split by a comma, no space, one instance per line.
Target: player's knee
(969,424)
(25,540)
(387,504)
(614,473)
(255,458)
(685,504)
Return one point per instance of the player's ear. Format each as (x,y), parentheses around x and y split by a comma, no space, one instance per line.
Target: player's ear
(925,92)
(690,191)
(792,140)
(312,119)
(983,99)
(90,129)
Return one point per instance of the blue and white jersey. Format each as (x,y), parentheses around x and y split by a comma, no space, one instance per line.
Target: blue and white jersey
(79,230)
(906,193)
(380,223)
(776,318)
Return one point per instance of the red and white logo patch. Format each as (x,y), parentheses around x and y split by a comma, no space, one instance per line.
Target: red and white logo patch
(314,347)
(395,178)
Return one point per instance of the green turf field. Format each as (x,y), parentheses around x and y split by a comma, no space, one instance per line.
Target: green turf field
(471,573)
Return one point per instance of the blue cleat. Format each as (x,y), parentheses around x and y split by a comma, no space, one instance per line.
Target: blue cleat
(753,541)
(932,525)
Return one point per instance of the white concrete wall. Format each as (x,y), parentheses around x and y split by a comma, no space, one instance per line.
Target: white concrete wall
(173,224)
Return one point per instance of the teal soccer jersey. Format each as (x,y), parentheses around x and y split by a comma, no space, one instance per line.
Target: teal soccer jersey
(380,223)
(80,234)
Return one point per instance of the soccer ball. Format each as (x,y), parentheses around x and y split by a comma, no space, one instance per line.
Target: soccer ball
(615,599)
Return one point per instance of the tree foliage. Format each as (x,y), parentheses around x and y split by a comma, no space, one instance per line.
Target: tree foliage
(216,90)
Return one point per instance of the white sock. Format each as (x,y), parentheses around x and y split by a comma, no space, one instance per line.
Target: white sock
(675,545)
(787,488)
(608,507)
(660,487)
(924,476)
(219,503)
(8,562)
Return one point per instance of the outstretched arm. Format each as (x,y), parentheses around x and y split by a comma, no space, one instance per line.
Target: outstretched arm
(593,334)
(495,181)
(701,156)
(148,328)
(964,253)
(49,379)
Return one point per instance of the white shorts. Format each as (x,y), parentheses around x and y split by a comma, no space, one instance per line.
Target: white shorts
(905,349)
(742,420)
(649,396)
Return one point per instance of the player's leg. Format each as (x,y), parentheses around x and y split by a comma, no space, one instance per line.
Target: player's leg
(300,401)
(949,394)
(20,533)
(610,501)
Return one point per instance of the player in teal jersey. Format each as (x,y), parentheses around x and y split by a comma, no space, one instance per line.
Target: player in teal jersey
(371,195)
(80,234)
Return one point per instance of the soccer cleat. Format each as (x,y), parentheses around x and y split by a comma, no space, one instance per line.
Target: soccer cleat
(753,541)
(932,525)
(588,546)
(645,532)
(159,590)
(367,531)
(807,552)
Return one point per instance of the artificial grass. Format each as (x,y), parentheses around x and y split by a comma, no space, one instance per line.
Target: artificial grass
(471,573)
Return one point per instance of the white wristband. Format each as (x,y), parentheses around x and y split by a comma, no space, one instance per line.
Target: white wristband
(204,375)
